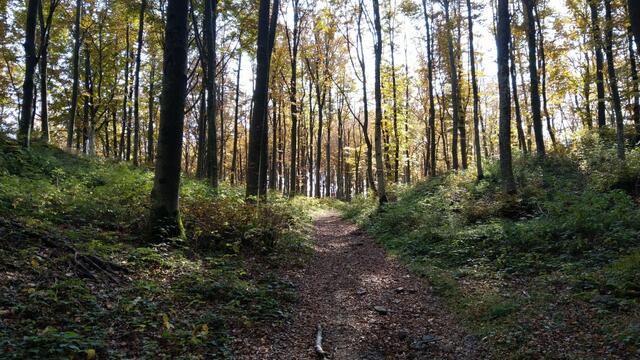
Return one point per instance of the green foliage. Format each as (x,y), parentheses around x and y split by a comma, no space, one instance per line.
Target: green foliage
(179,298)
(496,257)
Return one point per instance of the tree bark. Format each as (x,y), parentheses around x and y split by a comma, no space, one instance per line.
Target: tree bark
(597,47)
(210,14)
(613,80)
(236,114)
(382,194)
(522,142)
(24,131)
(476,97)
(260,97)
(164,220)
(533,73)
(432,109)
(634,87)
(634,18)
(136,86)
(294,43)
(75,75)
(503,33)
(458,125)
(152,113)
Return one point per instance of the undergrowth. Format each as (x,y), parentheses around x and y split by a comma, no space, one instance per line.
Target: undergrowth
(181,300)
(553,269)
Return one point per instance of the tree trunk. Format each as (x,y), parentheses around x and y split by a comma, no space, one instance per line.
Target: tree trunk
(152,113)
(75,75)
(634,88)
(210,14)
(543,70)
(125,97)
(293,90)
(432,108)
(476,97)
(634,18)
(164,220)
(260,97)
(503,33)
(273,173)
(533,73)
(394,89)
(613,80)
(45,32)
(136,86)
(382,194)
(522,142)
(236,114)
(458,125)
(597,44)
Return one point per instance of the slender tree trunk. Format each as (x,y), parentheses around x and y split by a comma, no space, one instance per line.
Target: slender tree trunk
(136,86)
(597,44)
(533,73)
(164,220)
(210,14)
(75,75)
(634,87)
(223,139)
(328,156)
(543,70)
(45,32)
(503,33)
(152,113)
(522,142)
(125,97)
(476,97)
(293,83)
(396,161)
(407,160)
(273,173)
(458,125)
(201,165)
(318,162)
(432,109)
(382,194)
(613,80)
(236,114)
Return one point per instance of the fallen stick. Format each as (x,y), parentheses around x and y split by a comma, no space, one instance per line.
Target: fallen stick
(319,351)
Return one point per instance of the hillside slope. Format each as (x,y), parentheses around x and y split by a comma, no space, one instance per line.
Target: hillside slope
(78,279)
(553,271)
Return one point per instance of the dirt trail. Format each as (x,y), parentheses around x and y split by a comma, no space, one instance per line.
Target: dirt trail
(340,288)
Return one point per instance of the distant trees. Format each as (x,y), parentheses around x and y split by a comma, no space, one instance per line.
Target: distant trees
(303,126)
(164,219)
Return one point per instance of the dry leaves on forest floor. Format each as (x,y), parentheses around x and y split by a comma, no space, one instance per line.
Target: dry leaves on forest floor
(369,306)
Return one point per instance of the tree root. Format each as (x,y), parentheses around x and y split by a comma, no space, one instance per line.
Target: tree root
(88,265)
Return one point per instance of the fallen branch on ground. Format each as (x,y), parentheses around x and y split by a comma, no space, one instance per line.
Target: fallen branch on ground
(319,351)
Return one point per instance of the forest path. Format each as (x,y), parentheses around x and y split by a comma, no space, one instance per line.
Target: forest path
(347,286)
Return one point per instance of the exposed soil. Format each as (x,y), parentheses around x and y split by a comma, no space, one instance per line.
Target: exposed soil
(345,281)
